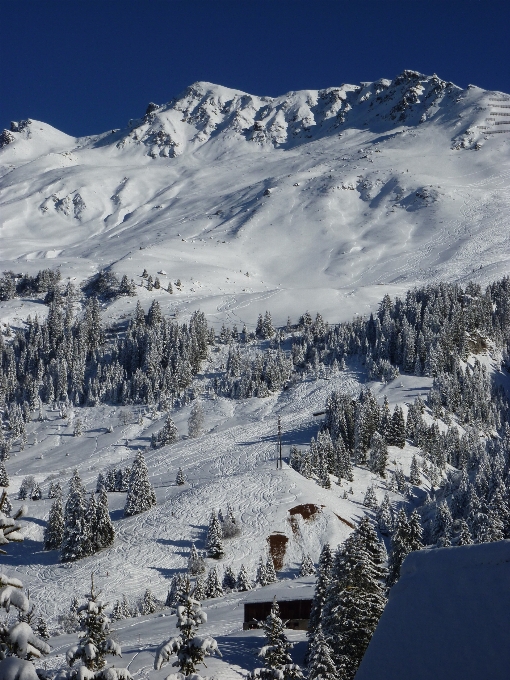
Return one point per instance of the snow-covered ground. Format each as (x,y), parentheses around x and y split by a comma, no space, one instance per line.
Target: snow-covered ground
(315,200)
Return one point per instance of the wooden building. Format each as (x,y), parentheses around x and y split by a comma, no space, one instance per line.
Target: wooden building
(294,599)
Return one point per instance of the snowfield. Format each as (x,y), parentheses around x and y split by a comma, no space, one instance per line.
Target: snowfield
(322,200)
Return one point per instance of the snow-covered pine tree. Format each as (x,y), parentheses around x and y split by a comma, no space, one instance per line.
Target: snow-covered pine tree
(26,486)
(307,567)
(442,526)
(229,580)
(230,526)
(104,531)
(167,435)
(414,474)
(465,537)
(188,646)
(270,570)
(319,597)
(140,496)
(55,490)
(398,428)
(179,479)
(214,543)
(54,530)
(415,531)
(400,546)
(355,598)
(384,516)
(243,582)
(196,420)
(4,478)
(20,644)
(94,643)
(262,578)
(196,564)
(378,455)
(320,659)
(36,493)
(126,609)
(148,605)
(68,620)
(117,613)
(276,652)
(75,523)
(370,499)
(41,628)
(212,584)
(199,589)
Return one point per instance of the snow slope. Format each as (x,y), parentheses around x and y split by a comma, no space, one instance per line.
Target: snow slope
(285,203)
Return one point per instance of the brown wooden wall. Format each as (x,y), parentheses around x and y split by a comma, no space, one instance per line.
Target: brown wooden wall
(289,609)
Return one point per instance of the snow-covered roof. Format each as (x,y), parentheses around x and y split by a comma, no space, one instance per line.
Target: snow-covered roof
(293,589)
(447,617)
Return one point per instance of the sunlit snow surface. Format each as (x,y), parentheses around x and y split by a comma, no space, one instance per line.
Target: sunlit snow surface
(315,200)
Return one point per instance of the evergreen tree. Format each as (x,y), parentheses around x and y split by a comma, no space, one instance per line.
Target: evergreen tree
(4,479)
(148,604)
(370,500)
(214,543)
(397,434)
(270,570)
(94,643)
(212,584)
(465,537)
(415,531)
(320,659)
(196,420)
(104,531)
(442,526)
(19,642)
(196,564)
(384,516)
(54,530)
(355,598)
(276,651)
(230,526)
(400,546)
(319,597)
(74,536)
(414,475)
(41,628)
(179,479)
(199,590)
(168,435)
(243,582)
(117,613)
(262,578)
(229,579)
(378,455)
(190,648)
(55,490)
(307,567)
(140,496)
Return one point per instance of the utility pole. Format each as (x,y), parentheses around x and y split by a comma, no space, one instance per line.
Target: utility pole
(279,453)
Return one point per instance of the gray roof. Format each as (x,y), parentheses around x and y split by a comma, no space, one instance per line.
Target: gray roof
(447,617)
(294,589)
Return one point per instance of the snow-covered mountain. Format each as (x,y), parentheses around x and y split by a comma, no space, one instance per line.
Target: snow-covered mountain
(321,200)
(322,191)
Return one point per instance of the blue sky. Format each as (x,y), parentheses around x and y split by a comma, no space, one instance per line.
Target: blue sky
(85,66)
